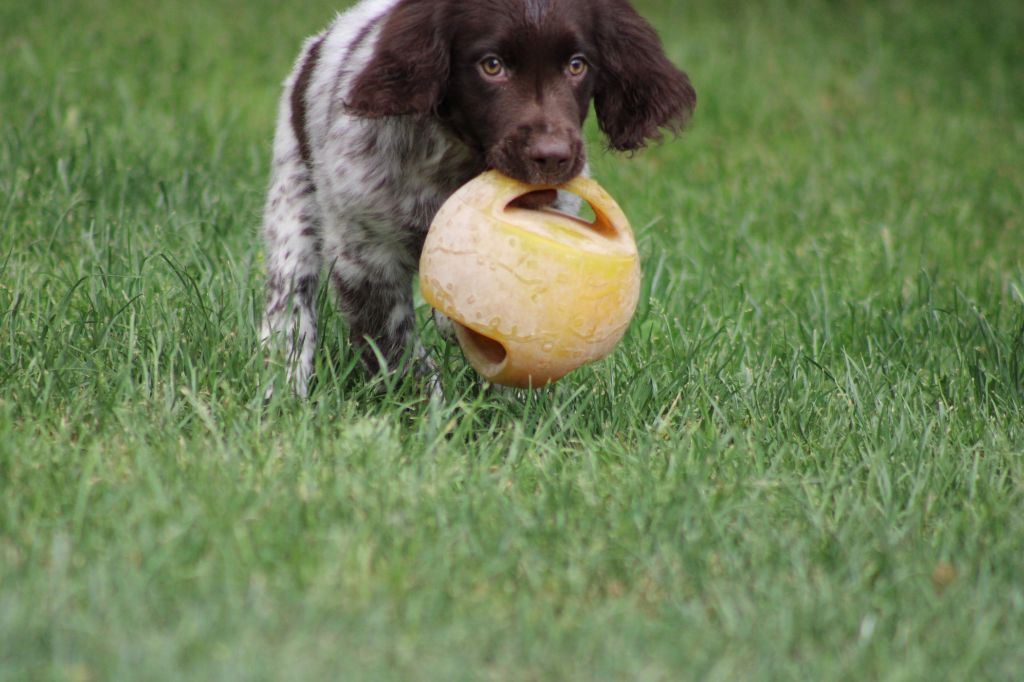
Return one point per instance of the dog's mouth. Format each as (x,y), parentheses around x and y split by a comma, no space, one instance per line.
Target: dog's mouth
(536,200)
(510,158)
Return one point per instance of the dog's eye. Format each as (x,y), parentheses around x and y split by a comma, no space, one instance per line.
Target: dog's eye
(492,66)
(577,66)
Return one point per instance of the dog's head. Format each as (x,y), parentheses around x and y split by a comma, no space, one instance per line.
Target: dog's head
(515,78)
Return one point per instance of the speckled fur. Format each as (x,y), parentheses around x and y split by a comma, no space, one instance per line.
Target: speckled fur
(361,207)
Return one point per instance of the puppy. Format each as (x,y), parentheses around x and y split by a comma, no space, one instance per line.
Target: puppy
(399,103)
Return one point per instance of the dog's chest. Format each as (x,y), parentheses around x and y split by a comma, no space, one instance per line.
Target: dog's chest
(381,182)
(428,167)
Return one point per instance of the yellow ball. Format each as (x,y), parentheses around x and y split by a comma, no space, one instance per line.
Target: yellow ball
(534,294)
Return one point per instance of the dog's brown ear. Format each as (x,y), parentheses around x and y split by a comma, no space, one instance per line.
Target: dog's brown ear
(639,91)
(408,71)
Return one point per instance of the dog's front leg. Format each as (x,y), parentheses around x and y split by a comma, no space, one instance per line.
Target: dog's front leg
(381,320)
(292,242)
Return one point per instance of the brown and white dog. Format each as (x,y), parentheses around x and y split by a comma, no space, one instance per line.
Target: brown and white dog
(400,102)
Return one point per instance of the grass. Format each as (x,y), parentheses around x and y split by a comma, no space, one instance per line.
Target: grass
(803,462)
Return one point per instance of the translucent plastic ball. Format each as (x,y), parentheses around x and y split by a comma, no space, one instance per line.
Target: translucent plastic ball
(533,293)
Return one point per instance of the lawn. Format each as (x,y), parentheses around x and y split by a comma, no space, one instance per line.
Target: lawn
(805,460)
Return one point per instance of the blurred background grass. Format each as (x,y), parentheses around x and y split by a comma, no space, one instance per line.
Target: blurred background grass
(803,462)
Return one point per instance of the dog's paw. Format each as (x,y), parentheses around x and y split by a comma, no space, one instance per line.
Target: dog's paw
(445,327)
(426,370)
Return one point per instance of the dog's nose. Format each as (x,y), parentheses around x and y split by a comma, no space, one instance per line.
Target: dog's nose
(551,155)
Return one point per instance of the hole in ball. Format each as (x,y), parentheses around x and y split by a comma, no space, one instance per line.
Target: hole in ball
(484,346)
(536,200)
(586,216)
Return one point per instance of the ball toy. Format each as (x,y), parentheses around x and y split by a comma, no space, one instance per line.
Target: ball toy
(533,293)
